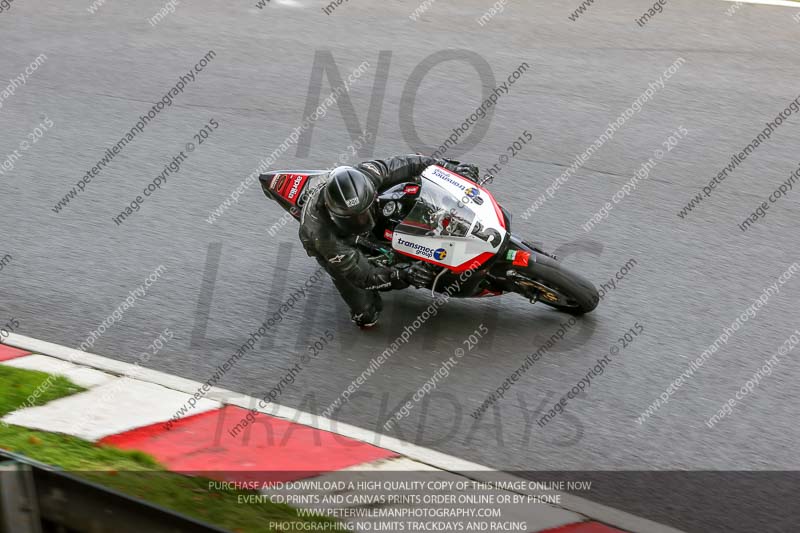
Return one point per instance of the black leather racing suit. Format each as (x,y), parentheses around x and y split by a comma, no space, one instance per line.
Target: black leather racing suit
(356,279)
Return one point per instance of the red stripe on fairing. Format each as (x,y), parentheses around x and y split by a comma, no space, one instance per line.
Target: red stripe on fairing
(497,209)
(583,527)
(275,449)
(469,264)
(7,353)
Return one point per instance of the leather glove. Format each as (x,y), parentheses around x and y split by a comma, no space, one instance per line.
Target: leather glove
(398,279)
(418,274)
(471,172)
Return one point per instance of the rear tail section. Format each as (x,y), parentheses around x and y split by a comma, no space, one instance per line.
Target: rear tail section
(291,188)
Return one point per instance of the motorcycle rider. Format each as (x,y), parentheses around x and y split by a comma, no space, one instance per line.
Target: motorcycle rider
(343,209)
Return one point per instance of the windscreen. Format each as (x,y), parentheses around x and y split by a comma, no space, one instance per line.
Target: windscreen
(437,212)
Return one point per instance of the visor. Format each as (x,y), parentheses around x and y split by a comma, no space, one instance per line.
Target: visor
(355,224)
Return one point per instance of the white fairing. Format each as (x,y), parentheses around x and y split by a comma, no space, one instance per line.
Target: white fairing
(453,223)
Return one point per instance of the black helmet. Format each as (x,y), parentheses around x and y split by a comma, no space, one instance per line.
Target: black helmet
(349,196)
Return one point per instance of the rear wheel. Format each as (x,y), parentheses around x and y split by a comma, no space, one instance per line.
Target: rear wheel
(546,281)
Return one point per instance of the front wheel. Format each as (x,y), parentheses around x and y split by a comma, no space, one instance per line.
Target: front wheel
(546,281)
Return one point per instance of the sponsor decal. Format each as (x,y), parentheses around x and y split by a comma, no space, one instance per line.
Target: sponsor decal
(418,249)
(471,194)
(289,185)
(440,254)
(387,234)
(336,258)
(439,173)
(298,181)
(351,202)
(521,258)
(411,189)
(443,174)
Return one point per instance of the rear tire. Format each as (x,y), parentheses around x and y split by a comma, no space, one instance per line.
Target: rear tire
(575,294)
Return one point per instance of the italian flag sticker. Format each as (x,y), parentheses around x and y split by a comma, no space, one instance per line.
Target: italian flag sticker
(518,257)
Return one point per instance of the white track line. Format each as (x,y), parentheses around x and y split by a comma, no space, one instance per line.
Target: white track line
(589,509)
(116,407)
(79,375)
(784,3)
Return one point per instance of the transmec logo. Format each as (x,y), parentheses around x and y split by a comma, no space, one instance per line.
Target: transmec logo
(422,250)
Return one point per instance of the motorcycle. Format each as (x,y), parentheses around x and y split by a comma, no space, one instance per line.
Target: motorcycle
(456,226)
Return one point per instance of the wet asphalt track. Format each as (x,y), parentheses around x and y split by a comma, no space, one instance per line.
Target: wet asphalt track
(692,277)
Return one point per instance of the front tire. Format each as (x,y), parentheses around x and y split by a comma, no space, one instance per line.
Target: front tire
(546,281)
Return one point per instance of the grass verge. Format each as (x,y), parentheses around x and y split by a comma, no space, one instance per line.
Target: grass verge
(27,388)
(131,472)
